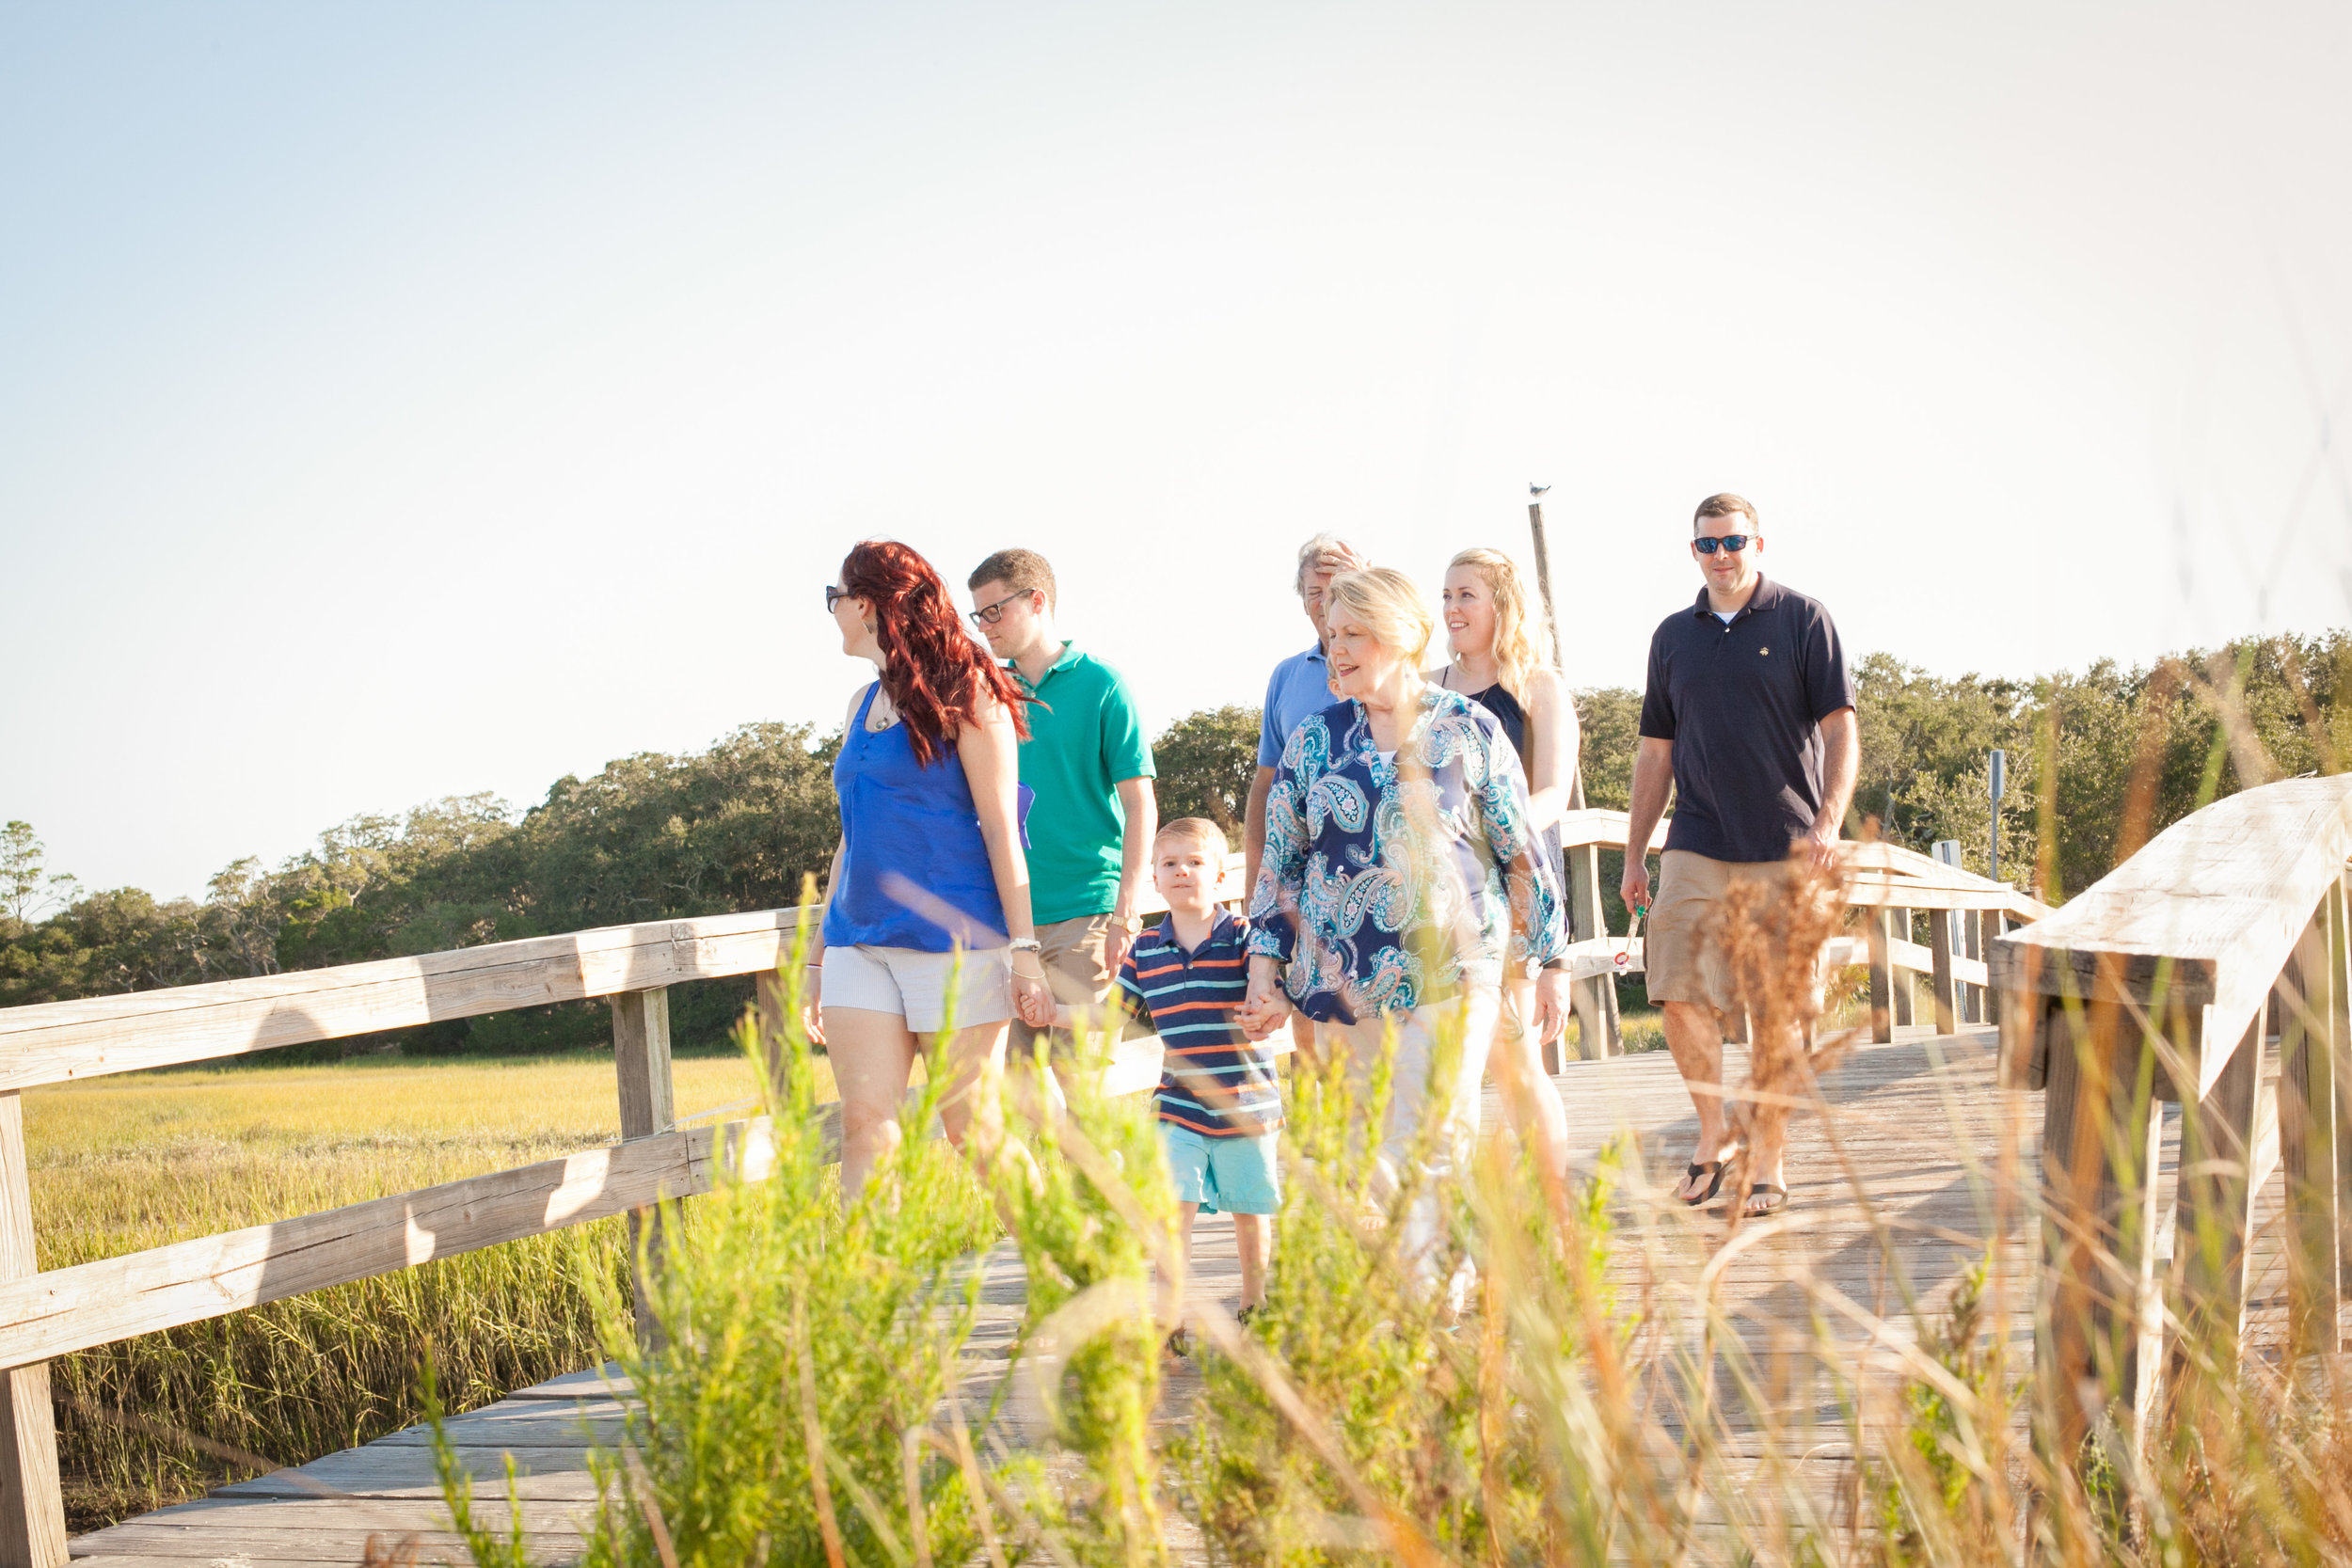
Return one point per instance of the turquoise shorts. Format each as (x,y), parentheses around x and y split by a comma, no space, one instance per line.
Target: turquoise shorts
(1240,1174)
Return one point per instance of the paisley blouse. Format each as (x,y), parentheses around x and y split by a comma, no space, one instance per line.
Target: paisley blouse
(1388,885)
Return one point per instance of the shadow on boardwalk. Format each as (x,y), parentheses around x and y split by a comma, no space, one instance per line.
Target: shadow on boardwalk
(1916,1126)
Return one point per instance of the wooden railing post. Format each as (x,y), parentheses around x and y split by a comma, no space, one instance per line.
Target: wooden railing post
(1988,924)
(1876,923)
(1898,923)
(1969,941)
(2309,1051)
(2340,1030)
(32,1511)
(2100,1327)
(1595,1000)
(1940,959)
(2215,1218)
(641,1059)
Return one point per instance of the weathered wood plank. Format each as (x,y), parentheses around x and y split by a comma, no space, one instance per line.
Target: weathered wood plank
(342,1545)
(2101,1141)
(1597,825)
(1943,980)
(2220,1176)
(93,1304)
(56,1041)
(542,1475)
(2213,905)
(1881,943)
(641,1061)
(32,1515)
(2309,1052)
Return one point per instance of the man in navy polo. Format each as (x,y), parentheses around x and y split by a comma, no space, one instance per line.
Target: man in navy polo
(1749,714)
(1299,686)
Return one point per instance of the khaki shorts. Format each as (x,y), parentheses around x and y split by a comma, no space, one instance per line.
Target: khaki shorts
(1681,958)
(1073,951)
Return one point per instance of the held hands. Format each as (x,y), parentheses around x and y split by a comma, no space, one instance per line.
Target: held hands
(1264,1007)
(1032,998)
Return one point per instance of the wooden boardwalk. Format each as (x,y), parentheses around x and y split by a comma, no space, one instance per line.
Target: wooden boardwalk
(1916,1125)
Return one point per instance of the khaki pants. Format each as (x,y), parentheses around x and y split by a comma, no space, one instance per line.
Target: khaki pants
(1072,951)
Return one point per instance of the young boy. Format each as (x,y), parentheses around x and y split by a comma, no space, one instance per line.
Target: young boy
(1219,1102)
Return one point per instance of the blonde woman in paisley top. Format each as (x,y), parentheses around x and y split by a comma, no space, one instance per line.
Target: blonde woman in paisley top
(1401,873)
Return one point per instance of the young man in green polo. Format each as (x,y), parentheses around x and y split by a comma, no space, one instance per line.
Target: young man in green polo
(1091,822)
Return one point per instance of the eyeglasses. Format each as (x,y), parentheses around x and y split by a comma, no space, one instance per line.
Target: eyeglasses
(833,597)
(1735,543)
(989,614)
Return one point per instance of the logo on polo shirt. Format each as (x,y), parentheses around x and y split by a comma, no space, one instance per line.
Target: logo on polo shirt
(1763,650)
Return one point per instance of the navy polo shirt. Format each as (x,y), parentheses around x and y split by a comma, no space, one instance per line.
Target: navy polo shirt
(1743,705)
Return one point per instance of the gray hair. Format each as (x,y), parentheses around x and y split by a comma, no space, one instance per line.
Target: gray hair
(1310,550)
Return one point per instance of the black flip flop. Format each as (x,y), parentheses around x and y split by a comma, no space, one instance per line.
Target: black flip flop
(1770,1209)
(1694,1168)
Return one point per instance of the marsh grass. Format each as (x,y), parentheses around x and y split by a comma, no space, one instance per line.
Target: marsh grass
(1600,1396)
(123,1164)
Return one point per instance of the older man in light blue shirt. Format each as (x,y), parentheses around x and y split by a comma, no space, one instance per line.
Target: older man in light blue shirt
(1299,686)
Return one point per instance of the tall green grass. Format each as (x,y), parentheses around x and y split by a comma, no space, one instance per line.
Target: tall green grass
(1544,1383)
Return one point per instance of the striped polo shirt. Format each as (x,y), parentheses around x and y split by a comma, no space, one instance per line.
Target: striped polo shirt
(1214,1078)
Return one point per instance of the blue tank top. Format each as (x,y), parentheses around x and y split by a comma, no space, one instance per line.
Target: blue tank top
(907,829)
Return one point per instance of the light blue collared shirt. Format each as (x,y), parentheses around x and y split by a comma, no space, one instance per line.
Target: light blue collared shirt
(1301,684)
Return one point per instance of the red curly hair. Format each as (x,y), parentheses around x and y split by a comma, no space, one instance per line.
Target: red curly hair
(933,670)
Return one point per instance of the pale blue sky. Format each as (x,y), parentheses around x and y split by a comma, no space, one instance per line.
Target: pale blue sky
(402,400)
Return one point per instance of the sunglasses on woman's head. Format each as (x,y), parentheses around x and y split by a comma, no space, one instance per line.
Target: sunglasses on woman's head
(1735,543)
(833,596)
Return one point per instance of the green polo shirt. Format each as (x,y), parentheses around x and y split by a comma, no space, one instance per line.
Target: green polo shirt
(1085,736)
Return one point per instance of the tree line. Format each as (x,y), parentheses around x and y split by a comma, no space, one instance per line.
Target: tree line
(739,826)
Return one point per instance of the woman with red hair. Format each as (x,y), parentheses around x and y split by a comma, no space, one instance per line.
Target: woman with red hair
(930,891)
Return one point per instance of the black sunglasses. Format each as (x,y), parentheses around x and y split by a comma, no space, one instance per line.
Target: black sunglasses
(1735,543)
(833,595)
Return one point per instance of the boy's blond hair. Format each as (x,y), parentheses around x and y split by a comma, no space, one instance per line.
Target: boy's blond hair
(1200,829)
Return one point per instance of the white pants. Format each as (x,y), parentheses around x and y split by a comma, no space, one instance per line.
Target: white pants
(1411,1089)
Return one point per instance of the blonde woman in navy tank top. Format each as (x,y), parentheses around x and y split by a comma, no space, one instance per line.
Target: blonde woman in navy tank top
(1498,662)
(929,890)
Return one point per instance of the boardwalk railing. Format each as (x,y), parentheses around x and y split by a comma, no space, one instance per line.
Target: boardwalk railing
(45,1315)
(2215,952)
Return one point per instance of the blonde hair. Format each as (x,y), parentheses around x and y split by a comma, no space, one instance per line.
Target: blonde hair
(1391,607)
(1521,645)
(1200,829)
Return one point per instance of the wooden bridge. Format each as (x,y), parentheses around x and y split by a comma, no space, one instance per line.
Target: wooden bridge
(2209,971)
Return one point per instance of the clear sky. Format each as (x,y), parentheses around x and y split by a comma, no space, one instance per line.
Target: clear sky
(399,401)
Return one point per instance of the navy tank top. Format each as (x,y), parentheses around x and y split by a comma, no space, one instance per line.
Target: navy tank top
(1497,700)
(911,842)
